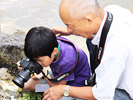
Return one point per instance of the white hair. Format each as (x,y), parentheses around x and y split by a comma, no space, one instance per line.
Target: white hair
(79,8)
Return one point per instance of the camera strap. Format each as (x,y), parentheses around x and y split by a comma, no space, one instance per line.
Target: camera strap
(63,76)
(103,37)
(99,52)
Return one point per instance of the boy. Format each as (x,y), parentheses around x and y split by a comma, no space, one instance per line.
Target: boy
(44,47)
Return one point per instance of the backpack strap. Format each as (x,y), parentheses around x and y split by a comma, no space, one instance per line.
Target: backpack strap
(63,76)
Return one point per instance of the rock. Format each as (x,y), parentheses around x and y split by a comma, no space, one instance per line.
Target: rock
(8,89)
(7,95)
(11,48)
(8,27)
(4,75)
(8,85)
(3,95)
(3,70)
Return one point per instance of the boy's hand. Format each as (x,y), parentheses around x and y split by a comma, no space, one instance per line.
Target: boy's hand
(18,65)
(37,76)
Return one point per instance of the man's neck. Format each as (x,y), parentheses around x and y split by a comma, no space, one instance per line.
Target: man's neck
(99,20)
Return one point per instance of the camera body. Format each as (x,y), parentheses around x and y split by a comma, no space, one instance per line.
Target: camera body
(29,67)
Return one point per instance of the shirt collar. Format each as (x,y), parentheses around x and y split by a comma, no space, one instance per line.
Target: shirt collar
(96,38)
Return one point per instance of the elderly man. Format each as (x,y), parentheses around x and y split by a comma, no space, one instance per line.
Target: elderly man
(114,76)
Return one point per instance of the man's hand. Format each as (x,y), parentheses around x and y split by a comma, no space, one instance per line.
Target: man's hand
(54,93)
(61,31)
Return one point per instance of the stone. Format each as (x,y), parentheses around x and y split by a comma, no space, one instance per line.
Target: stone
(17,13)
(54,1)
(33,3)
(8,90)
(46,25)
(4,75)
(57,22)
(43,15)
(11,48)
(26,23)
(3,95)
(8,27)
(8,85)
(50,7)
(10,6)
(3,70)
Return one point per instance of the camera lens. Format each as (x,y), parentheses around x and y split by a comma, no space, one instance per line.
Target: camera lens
(24,76)
(29,67)
(19,82)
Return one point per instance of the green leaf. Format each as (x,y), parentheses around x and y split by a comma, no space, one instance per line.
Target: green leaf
(31,96)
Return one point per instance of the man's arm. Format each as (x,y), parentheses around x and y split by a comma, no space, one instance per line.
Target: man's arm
(56,92)
(82,92)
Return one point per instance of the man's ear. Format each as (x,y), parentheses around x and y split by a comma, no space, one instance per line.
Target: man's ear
(89,17)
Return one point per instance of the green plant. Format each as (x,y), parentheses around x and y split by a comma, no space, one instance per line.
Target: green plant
(31,96)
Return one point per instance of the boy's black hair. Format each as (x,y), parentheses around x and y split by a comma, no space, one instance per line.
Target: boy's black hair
(39,41)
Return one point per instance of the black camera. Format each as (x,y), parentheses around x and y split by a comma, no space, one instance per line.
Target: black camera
(29,67)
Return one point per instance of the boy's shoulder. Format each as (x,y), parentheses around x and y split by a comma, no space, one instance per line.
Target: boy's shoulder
(68,44)
(64,39)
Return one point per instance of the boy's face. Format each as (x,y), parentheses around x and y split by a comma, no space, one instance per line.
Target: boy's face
(45,61)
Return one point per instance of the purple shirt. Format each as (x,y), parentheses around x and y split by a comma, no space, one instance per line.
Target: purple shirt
(67,60)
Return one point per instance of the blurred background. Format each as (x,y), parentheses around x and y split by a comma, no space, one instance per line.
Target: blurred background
(16,18)
(21,15)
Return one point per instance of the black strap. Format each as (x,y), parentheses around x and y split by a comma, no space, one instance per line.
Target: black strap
(104,35)
(64,75)
(98,55)
(105,30)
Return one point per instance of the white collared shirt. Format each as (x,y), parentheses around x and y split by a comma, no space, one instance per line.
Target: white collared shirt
(116,67)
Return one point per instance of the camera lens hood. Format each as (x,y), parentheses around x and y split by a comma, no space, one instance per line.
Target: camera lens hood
(19,82)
